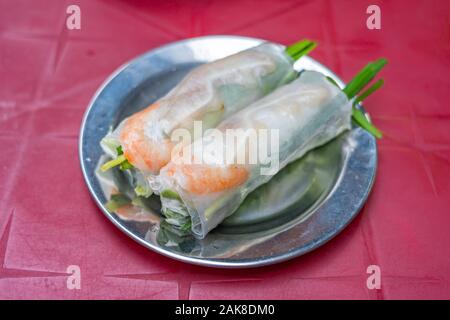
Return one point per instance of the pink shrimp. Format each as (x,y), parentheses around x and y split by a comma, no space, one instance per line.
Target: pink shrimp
(203,179)
(144,153)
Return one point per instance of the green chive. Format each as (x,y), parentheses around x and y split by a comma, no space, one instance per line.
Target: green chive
(126,165)
(113,163)
(301,48)
(332,81)
(362,121)
(119,161)
(359,116)
(377,85)
(361,80)
(364,77)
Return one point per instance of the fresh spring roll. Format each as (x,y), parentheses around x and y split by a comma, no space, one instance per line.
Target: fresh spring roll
(200,193)
(209,93)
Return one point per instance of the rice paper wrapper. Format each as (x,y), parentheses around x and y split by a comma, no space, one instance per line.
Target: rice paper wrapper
(306,113)
(210,93)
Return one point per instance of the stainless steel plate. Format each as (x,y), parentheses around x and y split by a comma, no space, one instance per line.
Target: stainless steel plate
(315,198)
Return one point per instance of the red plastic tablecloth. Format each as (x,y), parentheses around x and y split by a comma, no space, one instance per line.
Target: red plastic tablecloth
(49,222)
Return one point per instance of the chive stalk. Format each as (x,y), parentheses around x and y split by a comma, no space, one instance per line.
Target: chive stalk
(361,120)
(363,77)
(113,163)
(301,48)
(354,87)
(119,161)
(377,85)
(360,117)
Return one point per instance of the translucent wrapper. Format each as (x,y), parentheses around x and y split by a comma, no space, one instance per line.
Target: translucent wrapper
(209,93)
(304,114)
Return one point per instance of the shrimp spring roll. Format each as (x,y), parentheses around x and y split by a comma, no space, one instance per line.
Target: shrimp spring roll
(209,93)
(199,191)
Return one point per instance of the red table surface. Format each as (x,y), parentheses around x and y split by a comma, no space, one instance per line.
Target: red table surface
(48,220)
